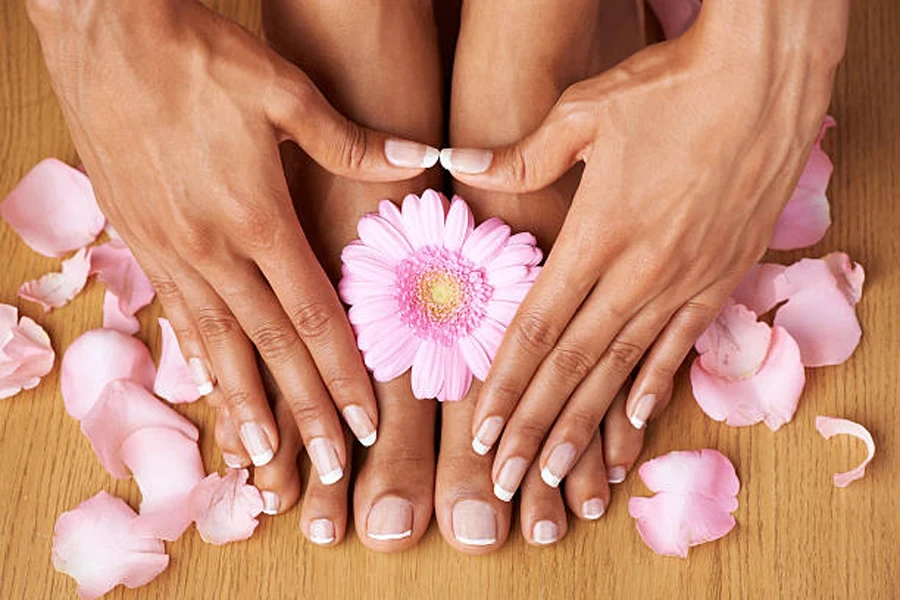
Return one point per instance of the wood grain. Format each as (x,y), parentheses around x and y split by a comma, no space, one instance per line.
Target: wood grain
(798,536)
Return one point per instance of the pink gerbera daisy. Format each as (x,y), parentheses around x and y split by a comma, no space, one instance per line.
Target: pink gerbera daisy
(431,291)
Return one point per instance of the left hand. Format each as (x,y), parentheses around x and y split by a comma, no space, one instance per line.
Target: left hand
(692,148)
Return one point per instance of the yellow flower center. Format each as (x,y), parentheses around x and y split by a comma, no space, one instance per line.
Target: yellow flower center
(440,294)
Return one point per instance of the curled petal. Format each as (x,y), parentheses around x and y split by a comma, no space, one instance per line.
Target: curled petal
(174,381)
(55,290)
(94,544)
(114,318)
(225,508)
(735,344)
(96,358)
(54,209)
(25,352)
(115,265)
(831,426)
(756,290)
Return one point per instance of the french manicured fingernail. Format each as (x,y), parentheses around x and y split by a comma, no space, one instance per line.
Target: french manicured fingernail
(642,409)
(593,509)
(360,424)
(270,502)
(232,461)
(466,160)
(558,464)
(474,523)
(545,532)
(325,460)
(403,153)
(200,376)
(487,435)
(390,519)
(510,477)
(257,444)
(321,531)
(616,474)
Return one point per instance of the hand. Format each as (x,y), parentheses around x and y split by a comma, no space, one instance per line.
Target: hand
(177,114)
(691,149)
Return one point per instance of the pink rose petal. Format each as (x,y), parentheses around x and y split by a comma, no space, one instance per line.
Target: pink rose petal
(96,358)
(25,352)
(54,209)
(174,381)
(756,290)
(115,265)
(820,311)
(735,344)
(807,215)
(54,290)
(675,16)
(696,494)
(225,508)
(831,426)
(93,543)
(114,318)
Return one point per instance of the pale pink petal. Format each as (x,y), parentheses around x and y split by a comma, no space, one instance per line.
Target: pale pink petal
(508,275)
(114,318)
(807,215)
(93,543)
(174,381)
(459,225)
(25,353)
(515,255)
(523,238)
(770,395)
(115,265)
(431,217)
(486,241)
(756,290)
(54,209)
(735,344)
(457,378)
(512,293)
(352,289)
(675,16)
(411,218)
(225,508)
(428,370)
(123,408)
(831,426)
(502,311)
(476,356)
(356,252)
(9,316)
(97,357)
(390,213)
(820,310)
(377,233)
(370,333)
(390,357)
(489,334)
(696,496)
(374,309)
(54,290)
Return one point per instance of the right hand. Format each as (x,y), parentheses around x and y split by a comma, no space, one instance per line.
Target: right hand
(177,114)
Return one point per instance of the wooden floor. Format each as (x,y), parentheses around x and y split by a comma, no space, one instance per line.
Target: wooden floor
(798,536)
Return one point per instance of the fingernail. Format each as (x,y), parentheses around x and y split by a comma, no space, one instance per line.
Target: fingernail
(257,444)
(321,531)
(390,519)
(232,461)
(510,477)
(270,502)
(487,435)
(466,160)
(403,153)
(616,474)
(545,532)
(325,460)
(558,464)
(642,409)
(200,376)
(474,523)
(592,509)
(360,424)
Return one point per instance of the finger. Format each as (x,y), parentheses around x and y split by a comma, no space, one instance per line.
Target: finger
(268,327)
(300,111)
(669,350)
(323,519)
(535,161)
(587,489)
(622,443)
(229,442)
(279,480)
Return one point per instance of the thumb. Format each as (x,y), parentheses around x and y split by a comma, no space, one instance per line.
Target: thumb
(299,110)
(532,163)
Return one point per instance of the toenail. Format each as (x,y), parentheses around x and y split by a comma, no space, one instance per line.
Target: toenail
(321,531)
(270,502)
(360,424)
(487,435)
(257,444)
(510,477)
(616,474)
(232,461)
(593,509)
(558,464)
(545,532)
(325,460)
(474,523)
(390,519)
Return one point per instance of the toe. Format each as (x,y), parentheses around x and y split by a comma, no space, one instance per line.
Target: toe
(323,519)
(470,517)
(279,480)
(393,496)
(621,441)
(543,514)
(586,487)
(233,453)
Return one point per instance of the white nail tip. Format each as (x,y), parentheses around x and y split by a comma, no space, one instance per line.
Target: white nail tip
(445,158)
(205,389)
(369,439)
(549,478)
(269,511)
(322,541)
(332,477)
(476,541)
(636,422)
(432,155)
(386,537)
(479,448)
(261,460)
(503,494)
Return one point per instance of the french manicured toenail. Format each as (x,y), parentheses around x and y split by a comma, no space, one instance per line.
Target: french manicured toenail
(616,474)
(593,509)
(390,519)
(321,531)
(474,523)
(270,502)
(545,532)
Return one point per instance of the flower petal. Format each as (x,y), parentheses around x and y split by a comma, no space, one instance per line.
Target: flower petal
(756,290)
(515,255)
(831,426)
(675,16)
(476,356)
(374,309)
(457,378)
(431,217)
(390,213)
(377,233)
(116,266)
(735,344)
(428,370)
(25,352)
(54,209)
(94,359)
(486,241)
(94,544)
(459,225)
(114,318)
(706,472)
(225,508)
(174,381)
(54,290)
(391,356)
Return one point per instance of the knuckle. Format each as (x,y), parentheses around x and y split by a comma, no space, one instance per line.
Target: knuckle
(530,431)
(239,401)
(197,242)
(275,343)
(340,385)
(311,319)
(305,410)
(504,394)
(623,355)
(536,332)
(255,225)
(217,324)
(583,422)
(352,153)
(165,288)
(572,362)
